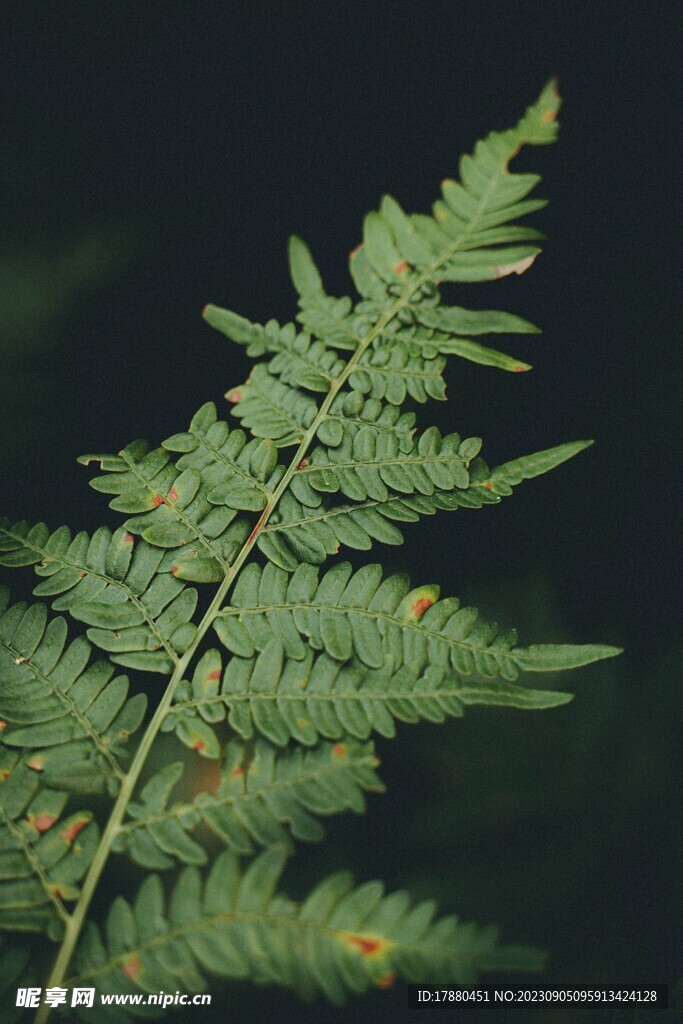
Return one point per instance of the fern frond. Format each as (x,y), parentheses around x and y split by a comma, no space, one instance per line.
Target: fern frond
(241,474)
(341,940)
(73,716)
(368,464)
(173,511)
(351,411)
(358,614)
(319,696)
(270,409)
(137,609)
(321,660)
(465,240)
(398,331)
(311,530)
(297,359)
(42,854)
(392,371)
(259,791)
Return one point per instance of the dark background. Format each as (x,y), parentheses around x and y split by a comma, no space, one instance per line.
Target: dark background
(156,157)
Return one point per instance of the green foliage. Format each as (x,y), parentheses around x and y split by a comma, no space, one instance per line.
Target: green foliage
(341,939)
(43,854)
(313,661)
(259,791)
(69,713)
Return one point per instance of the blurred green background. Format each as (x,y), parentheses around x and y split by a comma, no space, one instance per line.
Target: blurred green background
(156,157)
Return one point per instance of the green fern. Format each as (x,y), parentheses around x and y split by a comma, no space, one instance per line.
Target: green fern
(312,662)
(341,939)
(259,791)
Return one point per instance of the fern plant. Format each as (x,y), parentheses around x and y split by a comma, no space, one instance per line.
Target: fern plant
(290,666)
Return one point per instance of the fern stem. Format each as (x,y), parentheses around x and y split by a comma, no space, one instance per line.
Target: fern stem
(77,919)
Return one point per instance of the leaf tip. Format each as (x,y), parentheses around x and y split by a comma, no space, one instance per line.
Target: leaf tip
(518,267)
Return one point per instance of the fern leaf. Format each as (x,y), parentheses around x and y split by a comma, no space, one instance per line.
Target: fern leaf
(319,696)
(235,472)
(510,474)
(314,528)
(271,409)
(42,855)
(189,507)
(397,270)
(259,791)
(390,370)
(358,614)
(321,660)
(73,716)
(297,359)
(341,940)
(465,240)
(333,320)
(368,464)
(136,607)
(351,411)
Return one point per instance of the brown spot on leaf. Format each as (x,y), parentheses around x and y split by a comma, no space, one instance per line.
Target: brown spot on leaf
(367,945)
(386,981)
(157,500)
(199,745)
(131,967)
(235,395)
(216,674)
(3,724)
(304,462)
(174,569)
(339,750)
(42,822)
(173,494)
(400,267)
(236,772)
(489,487)
(82,574)
(128,538)
(70,833)
(354,252)
(421,606)
(36,763)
